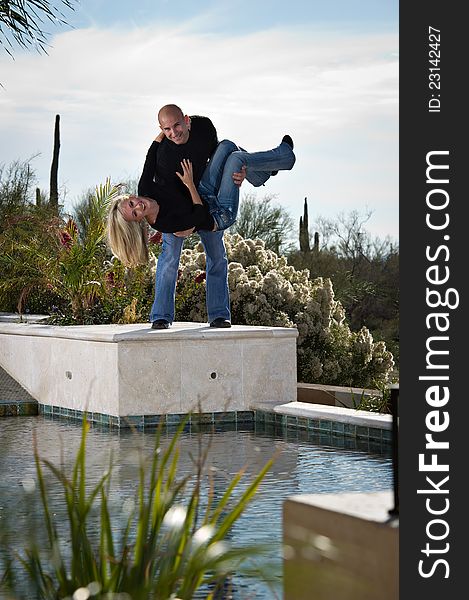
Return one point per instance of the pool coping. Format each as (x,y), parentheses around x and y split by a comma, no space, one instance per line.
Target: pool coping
(335,413)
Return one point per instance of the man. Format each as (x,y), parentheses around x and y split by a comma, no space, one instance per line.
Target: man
(193,138)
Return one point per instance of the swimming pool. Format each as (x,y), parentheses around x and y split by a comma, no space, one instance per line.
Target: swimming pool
(308,462)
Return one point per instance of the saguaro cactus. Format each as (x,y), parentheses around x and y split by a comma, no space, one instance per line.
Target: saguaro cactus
(316,242)
(304,229)
(54,188)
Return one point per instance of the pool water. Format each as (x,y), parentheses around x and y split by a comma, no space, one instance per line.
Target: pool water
(306,463)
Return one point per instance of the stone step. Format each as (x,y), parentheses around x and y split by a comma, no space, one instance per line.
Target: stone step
(334,395)
(14,399)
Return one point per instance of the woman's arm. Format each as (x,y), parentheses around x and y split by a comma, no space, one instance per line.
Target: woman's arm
(199,216)
(187,179)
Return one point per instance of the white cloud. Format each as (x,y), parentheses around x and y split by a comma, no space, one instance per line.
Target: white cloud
(335,94)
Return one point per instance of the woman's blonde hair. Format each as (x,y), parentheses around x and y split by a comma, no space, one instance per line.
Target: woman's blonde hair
(128,239)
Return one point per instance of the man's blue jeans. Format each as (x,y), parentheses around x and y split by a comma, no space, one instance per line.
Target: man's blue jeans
(217,294)
(217,187)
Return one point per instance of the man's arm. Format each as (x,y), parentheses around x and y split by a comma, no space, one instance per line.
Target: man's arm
(185,233)
(145,184)
(212,136)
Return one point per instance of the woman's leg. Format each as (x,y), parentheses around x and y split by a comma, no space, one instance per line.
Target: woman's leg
(213,173)
(217,186)
(166,277)
(212,176)
(211,182)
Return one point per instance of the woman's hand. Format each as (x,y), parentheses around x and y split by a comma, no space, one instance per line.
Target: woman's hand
(160,137)
(187,176)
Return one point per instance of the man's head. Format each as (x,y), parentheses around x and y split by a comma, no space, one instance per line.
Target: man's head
(174,123)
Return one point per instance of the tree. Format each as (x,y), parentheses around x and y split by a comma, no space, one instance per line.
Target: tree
(25,228)
(22,22)
(16,183)
(260,219)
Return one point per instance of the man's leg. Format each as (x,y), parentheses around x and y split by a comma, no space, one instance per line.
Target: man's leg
(166,278)
(218,297)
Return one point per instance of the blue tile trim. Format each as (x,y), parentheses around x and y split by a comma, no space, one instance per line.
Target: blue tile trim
(211,419)
(322,426)
(234,418)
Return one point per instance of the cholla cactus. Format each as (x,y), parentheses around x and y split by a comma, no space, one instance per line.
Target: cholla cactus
(265,290)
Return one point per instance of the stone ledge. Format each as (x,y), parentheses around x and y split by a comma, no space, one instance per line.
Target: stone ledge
(132,370)
(373,506)
(142,332)
(26,318)
(340,546)
(335,413)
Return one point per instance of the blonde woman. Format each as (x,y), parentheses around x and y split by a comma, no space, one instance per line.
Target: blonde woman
(213,205)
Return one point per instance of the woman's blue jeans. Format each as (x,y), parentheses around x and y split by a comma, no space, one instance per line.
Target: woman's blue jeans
(217,187)
(217,294)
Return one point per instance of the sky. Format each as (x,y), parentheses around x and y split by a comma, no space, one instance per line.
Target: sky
(325,72)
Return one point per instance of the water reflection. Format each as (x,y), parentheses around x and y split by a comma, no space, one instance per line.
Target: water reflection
(306,463)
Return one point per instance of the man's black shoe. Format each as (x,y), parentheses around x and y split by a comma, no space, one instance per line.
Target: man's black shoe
(220,322)
(287,139)
(160,324)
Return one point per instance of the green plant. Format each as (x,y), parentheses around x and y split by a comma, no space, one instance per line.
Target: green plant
(379,403)
(40,252)
(172,544)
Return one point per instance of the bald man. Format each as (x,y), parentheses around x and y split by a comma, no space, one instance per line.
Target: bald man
(194,138)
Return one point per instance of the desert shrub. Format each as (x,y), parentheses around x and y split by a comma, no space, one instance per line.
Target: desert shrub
(266,290)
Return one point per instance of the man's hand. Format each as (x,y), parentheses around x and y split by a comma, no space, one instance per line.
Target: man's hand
(239,177)
(185,233)
(155,238)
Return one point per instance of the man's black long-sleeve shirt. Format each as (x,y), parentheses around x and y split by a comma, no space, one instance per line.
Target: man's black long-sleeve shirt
(160,182)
